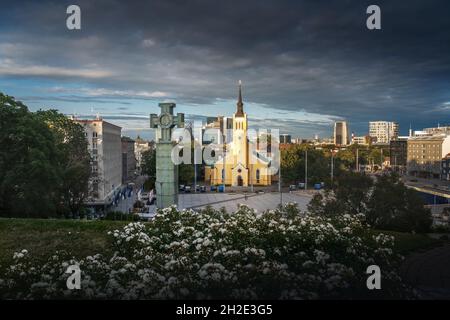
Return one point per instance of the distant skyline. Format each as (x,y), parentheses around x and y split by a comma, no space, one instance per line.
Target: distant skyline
(304,64)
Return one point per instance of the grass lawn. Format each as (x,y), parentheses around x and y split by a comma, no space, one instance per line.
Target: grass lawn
(41,237)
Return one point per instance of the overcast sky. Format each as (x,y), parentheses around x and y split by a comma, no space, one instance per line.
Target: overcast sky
(304,64)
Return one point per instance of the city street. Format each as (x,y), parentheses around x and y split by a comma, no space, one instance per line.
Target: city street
(125,205)
(261,202)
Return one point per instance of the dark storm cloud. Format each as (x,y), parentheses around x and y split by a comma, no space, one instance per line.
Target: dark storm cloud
(315,56)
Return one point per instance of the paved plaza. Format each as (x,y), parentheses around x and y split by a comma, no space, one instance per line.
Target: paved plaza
(230,201)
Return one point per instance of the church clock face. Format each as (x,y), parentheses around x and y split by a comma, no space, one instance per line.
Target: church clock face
(165,120)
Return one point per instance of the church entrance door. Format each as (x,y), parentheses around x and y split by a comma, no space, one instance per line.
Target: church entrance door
(240,182)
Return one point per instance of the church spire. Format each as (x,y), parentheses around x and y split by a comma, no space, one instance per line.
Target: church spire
(240,104)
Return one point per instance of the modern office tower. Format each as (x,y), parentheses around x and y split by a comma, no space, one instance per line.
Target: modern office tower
(341,137)
(285,138)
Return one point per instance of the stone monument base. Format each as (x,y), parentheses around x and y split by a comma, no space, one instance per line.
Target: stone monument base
(167,176)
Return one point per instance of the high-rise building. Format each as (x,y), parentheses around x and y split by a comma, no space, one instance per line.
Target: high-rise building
(285,138)
(425,154)
(128,160)
(383,131)
(105,147)
(341,136)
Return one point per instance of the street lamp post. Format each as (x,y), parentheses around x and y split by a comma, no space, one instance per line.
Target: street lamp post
(357,160)
(279,185)
(251,176)
(224,156)
(306,169)
(332,167)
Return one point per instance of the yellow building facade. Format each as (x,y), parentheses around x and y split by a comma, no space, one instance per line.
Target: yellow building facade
(243,165)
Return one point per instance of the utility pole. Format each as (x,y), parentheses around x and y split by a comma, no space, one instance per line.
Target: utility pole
(279,184)
(195,169)
(381,159)
(357,160)
(306,169)
(224,153)
(251,176)
(332,168)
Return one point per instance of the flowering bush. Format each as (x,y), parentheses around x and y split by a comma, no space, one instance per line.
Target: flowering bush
(279,254)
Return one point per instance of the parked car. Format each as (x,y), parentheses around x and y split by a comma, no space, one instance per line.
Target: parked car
(213,188)
(182,186)
(301,185)
(187,189)
(202,189)
(197,188)
(292,187)
(317,186)
(221,188)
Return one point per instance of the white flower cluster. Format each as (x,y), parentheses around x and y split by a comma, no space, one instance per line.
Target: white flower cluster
(278,254)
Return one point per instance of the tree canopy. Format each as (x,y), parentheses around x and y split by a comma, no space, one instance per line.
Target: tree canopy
(44,162)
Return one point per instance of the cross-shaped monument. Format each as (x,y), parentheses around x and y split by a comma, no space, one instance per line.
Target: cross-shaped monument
(166,171)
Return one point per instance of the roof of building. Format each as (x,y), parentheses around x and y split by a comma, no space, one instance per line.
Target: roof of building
(87,121)
(428,138)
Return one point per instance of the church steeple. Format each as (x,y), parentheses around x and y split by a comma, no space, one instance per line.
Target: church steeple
(240,104)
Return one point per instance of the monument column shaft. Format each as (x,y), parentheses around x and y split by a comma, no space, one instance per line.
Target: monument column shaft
(166,183)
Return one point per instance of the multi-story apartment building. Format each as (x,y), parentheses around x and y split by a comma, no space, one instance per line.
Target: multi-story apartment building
(341,136)
(105,147)
(425,154)
(383,131)
(128,160)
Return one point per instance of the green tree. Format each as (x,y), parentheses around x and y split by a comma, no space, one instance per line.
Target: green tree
(148,163)
(350,194)
(148,168)
(73,160)
(395,207)
(319,164)
(28,162)
(186,173)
